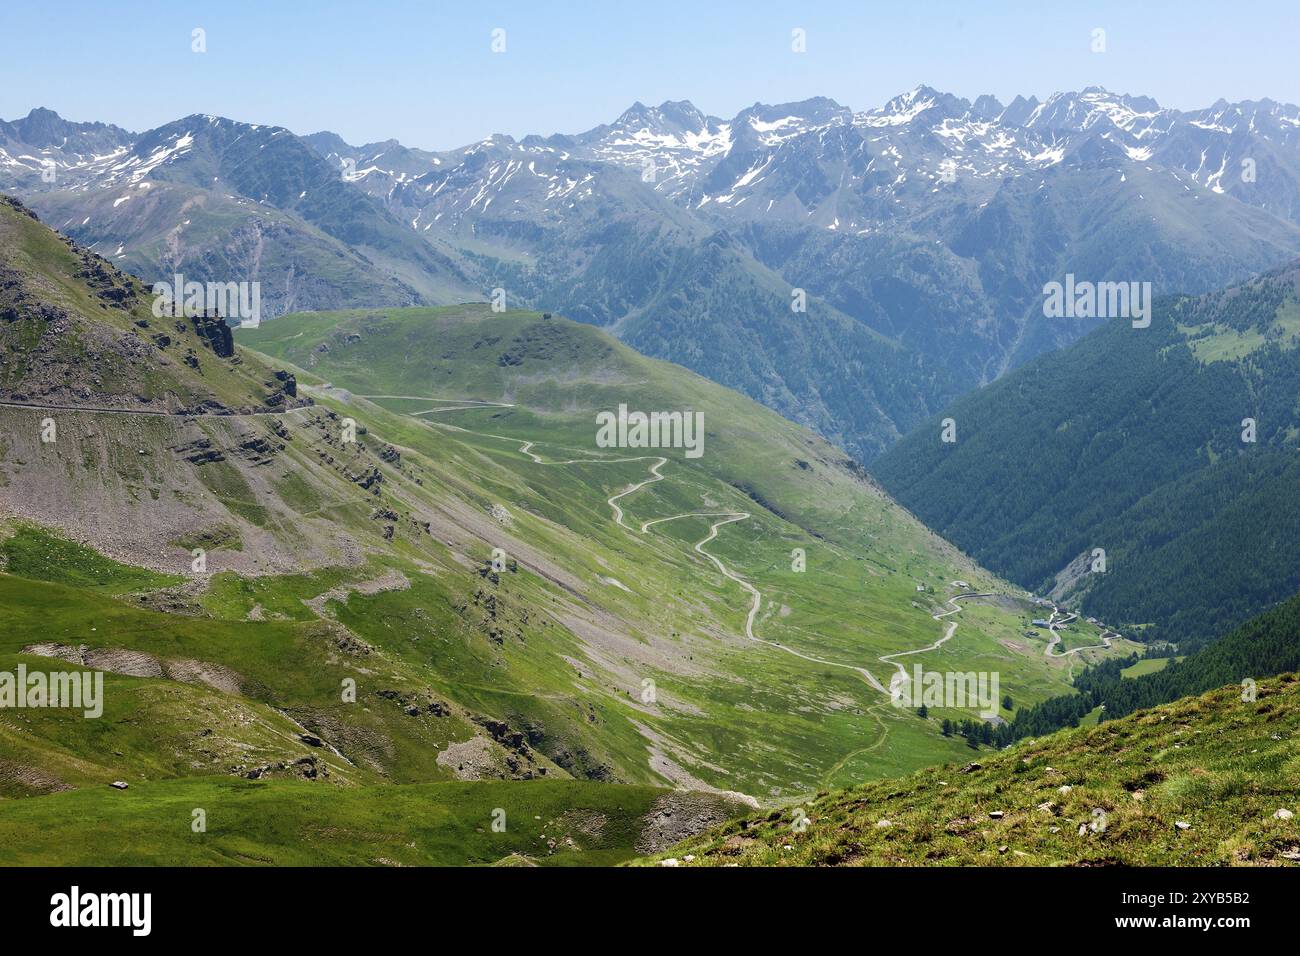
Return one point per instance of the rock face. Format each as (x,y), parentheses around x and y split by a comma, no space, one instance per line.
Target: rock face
(201,451)
(15,203)
(103,347)
(215,334)
(304,768)
(106,280)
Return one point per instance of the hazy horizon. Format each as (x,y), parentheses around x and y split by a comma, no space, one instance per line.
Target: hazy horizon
(429,77)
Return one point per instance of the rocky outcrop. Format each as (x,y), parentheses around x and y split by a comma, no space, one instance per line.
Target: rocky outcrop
(201,451)
(213,332)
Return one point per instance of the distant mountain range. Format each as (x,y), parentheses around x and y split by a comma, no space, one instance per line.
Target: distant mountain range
(921,232)
(224,201)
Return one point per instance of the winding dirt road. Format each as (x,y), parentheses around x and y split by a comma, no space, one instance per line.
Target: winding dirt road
(1053,624)
(525,447)
(901,674)
(723,518)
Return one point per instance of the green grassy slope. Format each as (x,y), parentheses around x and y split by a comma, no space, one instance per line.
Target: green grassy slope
(1110,795)
(310,595)
(77,331)
(287,823)
(187,694)
(856,601)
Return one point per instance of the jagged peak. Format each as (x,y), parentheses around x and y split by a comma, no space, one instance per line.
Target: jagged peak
(670,115)
(906,107)
(986,107)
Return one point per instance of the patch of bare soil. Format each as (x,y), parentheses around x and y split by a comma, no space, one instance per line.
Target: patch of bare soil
(19,779)
(214,675)
(117,660)
(516,859)
(678,775)
(485,758)
(677,816)
(473,759)
(179,599)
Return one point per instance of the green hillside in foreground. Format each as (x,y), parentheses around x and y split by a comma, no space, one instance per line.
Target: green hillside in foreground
(1134,441)
(293,823)
(1198,782)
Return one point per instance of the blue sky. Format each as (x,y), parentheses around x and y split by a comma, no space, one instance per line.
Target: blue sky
(423,72)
